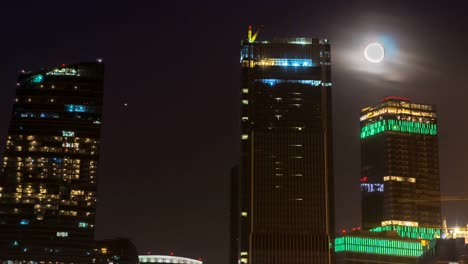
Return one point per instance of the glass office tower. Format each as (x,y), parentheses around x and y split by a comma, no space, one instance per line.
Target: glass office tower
(48,176)
(286,204)
(400,164)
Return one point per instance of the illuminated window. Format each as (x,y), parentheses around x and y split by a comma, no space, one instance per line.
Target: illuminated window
(243,253)
(244,214)
(245,90)
(246,102)
(62,234)
(24,222)
(37,78)
(245,118)
(76,108)
(245,137)
(83,224)
(413,180)
(68,133)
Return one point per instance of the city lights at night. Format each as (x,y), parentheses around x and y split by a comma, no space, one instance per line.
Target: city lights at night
(260,132)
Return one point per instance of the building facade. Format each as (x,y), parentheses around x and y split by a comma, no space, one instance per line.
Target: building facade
(286,184)
(400,164)
(48,175)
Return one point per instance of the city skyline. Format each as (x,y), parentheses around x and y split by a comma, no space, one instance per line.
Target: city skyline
(191,115)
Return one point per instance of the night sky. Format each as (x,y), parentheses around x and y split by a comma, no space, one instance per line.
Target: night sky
(166,156)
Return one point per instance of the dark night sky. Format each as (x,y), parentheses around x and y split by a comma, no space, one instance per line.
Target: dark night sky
(166,157)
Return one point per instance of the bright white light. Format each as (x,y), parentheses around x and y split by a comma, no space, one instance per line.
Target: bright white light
(374,52)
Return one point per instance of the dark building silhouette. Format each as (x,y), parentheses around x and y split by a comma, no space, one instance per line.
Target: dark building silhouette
(286,197)
(234,216)
(49,171)
(400,164)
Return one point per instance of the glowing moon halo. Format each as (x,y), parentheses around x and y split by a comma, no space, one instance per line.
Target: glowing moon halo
(374,52)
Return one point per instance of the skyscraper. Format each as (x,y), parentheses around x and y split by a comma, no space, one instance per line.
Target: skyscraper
(49,171)
(400,164)
(286,198)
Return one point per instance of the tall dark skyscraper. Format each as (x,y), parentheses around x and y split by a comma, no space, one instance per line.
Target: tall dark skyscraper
(400,164)
(49,171)
(286,198)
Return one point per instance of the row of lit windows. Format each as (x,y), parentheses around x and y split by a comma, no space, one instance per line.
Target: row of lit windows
(398,126)
(411,232)
(391,110)
(379,246)
(399,104)
(66,149)
(284,62)
(399,222)
(66,136)
(399,178)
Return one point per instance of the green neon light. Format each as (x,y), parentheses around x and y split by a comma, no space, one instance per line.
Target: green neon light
(379,246)
(398,126)
(411,232)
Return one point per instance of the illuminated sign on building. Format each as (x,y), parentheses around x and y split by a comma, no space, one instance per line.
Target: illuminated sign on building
(63,72)
(372,187)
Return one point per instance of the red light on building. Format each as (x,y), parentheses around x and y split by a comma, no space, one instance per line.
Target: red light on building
(343,231)
(364,179)
(172,254)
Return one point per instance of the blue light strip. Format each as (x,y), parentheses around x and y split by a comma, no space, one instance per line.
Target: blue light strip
(76,108)
(272,82)
(285,62)
(372,187)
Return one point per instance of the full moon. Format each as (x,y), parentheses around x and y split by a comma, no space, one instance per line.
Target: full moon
(374,52)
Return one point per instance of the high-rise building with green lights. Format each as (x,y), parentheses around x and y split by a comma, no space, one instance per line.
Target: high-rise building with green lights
(48,176)
(285,209)
(400,164)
